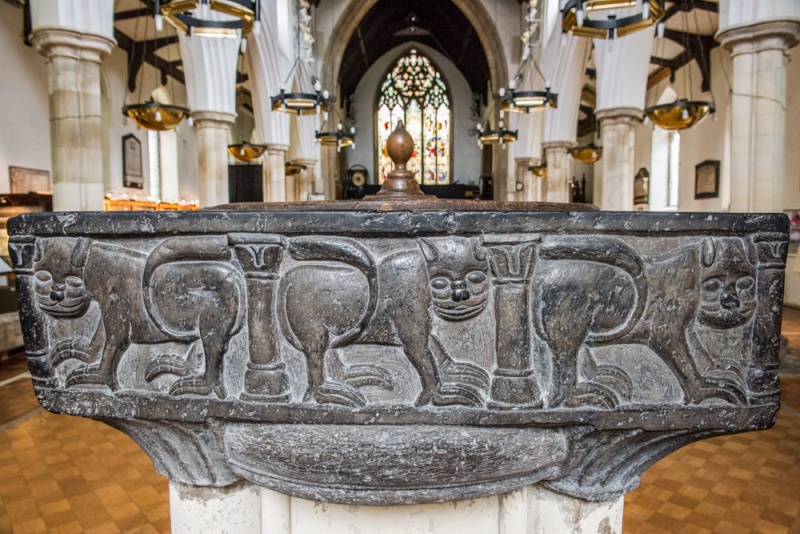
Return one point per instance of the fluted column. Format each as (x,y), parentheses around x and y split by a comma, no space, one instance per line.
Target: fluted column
(559,171)
(758,106)
(74,49)
(210,67)
(615,191)
(212,130)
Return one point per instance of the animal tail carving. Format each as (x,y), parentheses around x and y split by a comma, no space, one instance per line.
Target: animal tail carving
(180,249)
(609,251)
(346,251)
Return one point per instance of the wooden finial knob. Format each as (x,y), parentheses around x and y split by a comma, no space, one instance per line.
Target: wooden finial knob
(400,182)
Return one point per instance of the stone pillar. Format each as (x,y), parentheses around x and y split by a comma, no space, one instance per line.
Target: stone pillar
(212,128)
(758,110)
(275,173)
(525,177)
(73,62)
(306,180)
(614,192)
(559,171)
(210,67)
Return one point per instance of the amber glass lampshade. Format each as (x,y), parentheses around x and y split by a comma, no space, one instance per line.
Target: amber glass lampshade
(680,114)
(246,151)
(539,170)
(292,168)
(155,116)
(587,154)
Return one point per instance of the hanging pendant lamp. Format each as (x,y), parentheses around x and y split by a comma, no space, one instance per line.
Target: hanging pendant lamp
(151,114)
(246,152)
(193,16)
(338,138)
(590,153)
(521,100)
(301,102)
(576,17)
(500,136)
(685,112)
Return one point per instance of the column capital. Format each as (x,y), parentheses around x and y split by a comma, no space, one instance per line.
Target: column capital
(626,115)
(768,35)
(277,149)
(558,145)
(301,161)
(52,41)
(209,118)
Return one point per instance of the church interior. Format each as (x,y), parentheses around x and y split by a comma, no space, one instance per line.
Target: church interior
(110,107)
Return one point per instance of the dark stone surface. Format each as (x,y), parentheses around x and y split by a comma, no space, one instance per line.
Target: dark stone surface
(401,352)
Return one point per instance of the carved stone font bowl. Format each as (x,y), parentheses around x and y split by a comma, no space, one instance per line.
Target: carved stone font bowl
(372,353)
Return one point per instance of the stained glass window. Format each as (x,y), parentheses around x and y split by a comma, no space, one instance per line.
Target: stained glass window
(415,92)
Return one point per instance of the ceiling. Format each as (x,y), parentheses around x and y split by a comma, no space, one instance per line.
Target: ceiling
(440,25)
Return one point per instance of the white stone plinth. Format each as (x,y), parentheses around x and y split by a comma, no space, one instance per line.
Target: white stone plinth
(244,508)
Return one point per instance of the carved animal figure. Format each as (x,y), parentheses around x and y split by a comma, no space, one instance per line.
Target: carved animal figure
(179,292)
(604,293)
(352,299)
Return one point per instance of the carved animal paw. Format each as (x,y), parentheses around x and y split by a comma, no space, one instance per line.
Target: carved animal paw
(69,349)
(337,393)
(85,376)
(171,364)
(592,394)
(615,379)
(723,388)
(451,371)
(364,374)
(194,385)
(457,394)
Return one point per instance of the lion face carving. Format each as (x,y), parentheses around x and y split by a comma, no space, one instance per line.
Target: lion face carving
(459,280)
(728,288)
(58,285)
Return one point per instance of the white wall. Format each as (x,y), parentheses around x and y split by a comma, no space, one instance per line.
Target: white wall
(24,114)
(466,154)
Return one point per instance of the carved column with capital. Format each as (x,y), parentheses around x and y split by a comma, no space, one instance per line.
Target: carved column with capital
(758,105)
(304,182)
(618,125)
(73,64)
(559,171)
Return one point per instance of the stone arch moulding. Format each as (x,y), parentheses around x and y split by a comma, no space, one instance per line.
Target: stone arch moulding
(474,10)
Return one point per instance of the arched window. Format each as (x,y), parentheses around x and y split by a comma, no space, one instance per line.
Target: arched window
(415,92)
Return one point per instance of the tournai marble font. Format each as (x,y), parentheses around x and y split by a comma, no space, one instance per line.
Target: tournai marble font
(402,350)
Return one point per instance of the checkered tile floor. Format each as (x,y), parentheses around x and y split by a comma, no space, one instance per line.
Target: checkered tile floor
(65,474)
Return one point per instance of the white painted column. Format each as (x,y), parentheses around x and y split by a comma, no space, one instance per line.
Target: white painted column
(559,171)
(212,130)
(305,181)
(758,110)
(74,36)
(614,192)
(201,510)
(526,178)
(210,67)
(275,173)
(266,63)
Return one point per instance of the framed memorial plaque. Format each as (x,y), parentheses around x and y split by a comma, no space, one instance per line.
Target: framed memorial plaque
(24,180)
(132,175)
(706,179)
